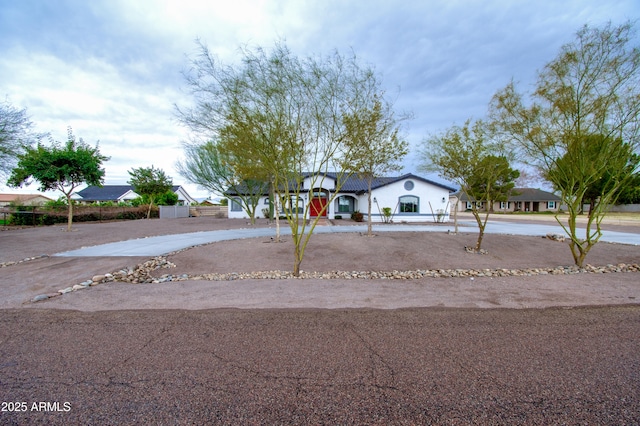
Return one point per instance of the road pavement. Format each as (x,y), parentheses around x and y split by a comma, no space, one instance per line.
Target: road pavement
(386,367)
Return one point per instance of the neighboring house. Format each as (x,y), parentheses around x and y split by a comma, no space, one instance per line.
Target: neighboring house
(23,199)
(123,193)
(523,200)
(410,197)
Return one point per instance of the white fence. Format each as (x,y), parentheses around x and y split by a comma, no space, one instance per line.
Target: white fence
(173,212)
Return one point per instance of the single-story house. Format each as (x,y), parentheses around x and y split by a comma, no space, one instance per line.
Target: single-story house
(522,200)
(411,198)
(123,193)
(23,199)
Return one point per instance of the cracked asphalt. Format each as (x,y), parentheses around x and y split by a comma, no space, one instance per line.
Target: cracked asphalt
(345,366)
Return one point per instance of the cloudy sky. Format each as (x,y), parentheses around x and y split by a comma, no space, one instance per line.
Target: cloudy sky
(111,69)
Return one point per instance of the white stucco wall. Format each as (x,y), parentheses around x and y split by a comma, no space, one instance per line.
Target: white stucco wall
(430,202)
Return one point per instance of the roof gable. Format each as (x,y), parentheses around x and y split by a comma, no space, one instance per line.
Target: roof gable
(22,198)
(360,185)
(357,184)
(104,193)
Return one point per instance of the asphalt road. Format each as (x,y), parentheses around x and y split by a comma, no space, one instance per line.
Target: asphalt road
(408,366)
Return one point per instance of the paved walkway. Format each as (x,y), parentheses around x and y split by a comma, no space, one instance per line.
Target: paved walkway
(160,245)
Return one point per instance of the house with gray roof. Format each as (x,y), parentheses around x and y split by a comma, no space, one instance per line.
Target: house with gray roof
(521,200)
(411,198)
(123,193)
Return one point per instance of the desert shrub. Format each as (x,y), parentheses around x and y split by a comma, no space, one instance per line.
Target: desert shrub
(357,216)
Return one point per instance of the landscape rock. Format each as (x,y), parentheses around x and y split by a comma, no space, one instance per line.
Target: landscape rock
(40,297)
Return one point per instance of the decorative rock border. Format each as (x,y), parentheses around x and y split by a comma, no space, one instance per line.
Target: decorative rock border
(26,259)
(141,274)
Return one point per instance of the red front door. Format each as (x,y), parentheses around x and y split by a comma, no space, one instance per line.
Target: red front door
(318,206)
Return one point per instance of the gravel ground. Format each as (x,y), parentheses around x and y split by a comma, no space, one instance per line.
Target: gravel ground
(121,353)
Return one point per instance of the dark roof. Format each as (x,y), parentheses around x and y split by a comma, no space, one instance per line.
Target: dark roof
(358,185)
(523,194)
(109,192)
(104,193)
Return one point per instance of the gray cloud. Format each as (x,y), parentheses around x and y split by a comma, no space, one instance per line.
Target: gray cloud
(111,69)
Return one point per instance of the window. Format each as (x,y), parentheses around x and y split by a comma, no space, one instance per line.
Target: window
(551,204)
(345,204)
(505,205)
(409,204)
(266,201)
(408,185)
(235,205)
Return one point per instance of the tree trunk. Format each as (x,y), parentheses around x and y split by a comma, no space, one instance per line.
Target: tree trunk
(149,210)
(455,219)
(274,208)
(298,253)
(70,214)
(481,227)
(369,228)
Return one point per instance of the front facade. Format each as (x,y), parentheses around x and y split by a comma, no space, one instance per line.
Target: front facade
(522,200)
(410,198)
(123,193)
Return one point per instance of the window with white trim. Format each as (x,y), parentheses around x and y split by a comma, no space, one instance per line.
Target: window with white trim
(551,204)
(409,204)
(235,205)
(345,204)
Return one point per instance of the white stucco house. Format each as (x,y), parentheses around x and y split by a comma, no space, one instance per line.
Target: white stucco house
(123,193)
(411,198)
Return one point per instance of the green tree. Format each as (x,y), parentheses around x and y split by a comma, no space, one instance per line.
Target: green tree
(150,183)
(471,158)
(593,170)
(630,194)
(580,126)
(375,147)
(16,135)
(168,198)
(61,167)
(284,114)
(208,167)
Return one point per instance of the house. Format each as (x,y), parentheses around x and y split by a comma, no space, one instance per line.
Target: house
(123,193)
(411,198)
(522,200)
(23,199)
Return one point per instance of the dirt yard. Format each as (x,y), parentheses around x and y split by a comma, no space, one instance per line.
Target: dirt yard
(388,251)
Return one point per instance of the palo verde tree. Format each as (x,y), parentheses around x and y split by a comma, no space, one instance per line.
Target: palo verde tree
(580,126)
(210,168)
(150,183)
(592,170)
(16,134)
(471,158)
(376,148)
(60,166)
(284,114)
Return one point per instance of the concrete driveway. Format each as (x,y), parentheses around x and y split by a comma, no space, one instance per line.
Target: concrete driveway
(160,245)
